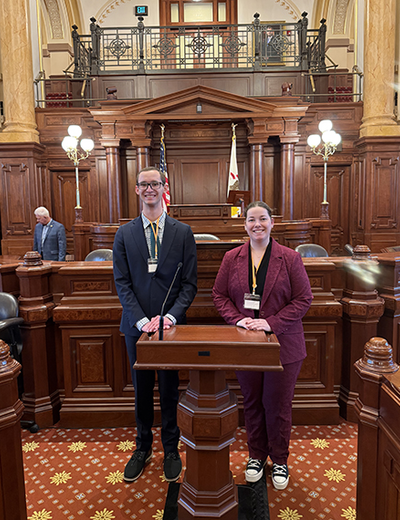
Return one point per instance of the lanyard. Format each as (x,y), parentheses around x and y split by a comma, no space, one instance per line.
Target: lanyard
(155,233)
(254,270)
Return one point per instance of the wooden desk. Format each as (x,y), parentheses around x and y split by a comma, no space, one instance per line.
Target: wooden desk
(207,411)
(75,359)
(378,453)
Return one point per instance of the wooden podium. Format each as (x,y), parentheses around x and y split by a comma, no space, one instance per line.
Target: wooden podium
(207,411)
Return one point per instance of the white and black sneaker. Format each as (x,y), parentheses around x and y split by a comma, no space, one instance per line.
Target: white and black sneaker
(254,469)
(280,476)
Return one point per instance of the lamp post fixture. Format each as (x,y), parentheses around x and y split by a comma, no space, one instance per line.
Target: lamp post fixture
(70,145)
(330,141)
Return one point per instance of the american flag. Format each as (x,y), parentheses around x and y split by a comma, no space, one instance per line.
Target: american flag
(233,181)
(163,169)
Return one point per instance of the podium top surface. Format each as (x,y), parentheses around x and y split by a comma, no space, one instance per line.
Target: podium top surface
(209,347)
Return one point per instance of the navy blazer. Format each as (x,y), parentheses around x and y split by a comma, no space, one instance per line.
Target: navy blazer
(142,293)
(286,297)
(55,243)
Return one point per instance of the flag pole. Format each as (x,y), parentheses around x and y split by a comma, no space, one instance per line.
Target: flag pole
(233,178)
(166,198)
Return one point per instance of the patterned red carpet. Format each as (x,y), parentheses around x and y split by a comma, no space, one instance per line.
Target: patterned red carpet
(78,474)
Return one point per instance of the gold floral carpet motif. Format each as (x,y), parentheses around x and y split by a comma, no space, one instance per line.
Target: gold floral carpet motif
(78,474)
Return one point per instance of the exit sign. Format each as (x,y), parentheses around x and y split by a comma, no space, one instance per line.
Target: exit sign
(141,10)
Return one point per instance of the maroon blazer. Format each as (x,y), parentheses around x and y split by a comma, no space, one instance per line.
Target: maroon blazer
(285,300)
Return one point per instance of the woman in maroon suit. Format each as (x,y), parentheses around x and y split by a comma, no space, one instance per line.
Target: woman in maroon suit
(264,286)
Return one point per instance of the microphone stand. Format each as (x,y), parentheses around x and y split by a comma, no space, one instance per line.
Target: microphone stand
(161,324)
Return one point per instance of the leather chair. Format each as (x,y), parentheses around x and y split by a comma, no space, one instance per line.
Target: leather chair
(10,333)
(391,249)
(9,324)
(349,249)
(99,255)
(205,236)
(311,250)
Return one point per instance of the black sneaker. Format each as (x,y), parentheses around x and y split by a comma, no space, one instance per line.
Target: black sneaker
(172,466)
(280,476)
(135,466)
(254,470)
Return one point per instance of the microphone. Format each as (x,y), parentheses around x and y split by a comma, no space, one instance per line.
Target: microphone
(161,326)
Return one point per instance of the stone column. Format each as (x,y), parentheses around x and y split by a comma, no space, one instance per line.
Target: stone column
(17,69)
(379,59)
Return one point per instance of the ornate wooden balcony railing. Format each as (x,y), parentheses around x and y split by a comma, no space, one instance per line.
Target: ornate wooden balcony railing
(141,49)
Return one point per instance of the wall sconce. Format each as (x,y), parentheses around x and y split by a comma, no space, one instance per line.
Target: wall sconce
(199,108)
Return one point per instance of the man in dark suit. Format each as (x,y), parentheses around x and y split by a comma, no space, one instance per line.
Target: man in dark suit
(49,238)
(147,253)
(270,45)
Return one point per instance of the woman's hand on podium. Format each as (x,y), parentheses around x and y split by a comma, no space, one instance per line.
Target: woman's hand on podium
(254,324)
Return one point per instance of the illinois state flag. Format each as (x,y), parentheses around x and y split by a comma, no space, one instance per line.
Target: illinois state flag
(163,169)
(233,180)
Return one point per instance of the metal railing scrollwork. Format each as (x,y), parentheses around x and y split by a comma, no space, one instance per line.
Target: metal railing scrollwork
(255,46)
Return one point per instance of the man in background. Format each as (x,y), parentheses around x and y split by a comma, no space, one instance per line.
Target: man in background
(49,238)
(270,45)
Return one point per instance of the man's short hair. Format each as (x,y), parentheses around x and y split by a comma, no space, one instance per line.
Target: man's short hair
(41,211)
(258,204)
(152,169)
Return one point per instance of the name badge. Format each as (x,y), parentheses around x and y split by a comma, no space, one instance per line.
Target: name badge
(252,301)
(151,265)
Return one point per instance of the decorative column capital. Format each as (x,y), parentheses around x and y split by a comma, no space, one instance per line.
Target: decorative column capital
(110,142)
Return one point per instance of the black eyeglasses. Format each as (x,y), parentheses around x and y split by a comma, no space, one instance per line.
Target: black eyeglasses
(154,185)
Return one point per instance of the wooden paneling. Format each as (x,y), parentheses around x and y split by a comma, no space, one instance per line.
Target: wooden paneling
(23,187)
(379,190)
(338,195)
(389,290)
(385,190)
(63,192)
(199,180)
(378,411)
(362,178)
(125,89)
(104,212)
(241,83)
(91,362)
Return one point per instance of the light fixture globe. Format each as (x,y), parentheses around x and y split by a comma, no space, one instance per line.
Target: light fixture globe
(328,136)
(75,131)
(69,143)
(313,140)
(336,138)
(325,125)
(87,145)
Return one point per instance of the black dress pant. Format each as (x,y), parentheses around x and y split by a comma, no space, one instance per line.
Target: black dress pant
(144,382)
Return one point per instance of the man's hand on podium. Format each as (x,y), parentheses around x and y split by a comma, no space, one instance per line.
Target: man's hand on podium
(154,323)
